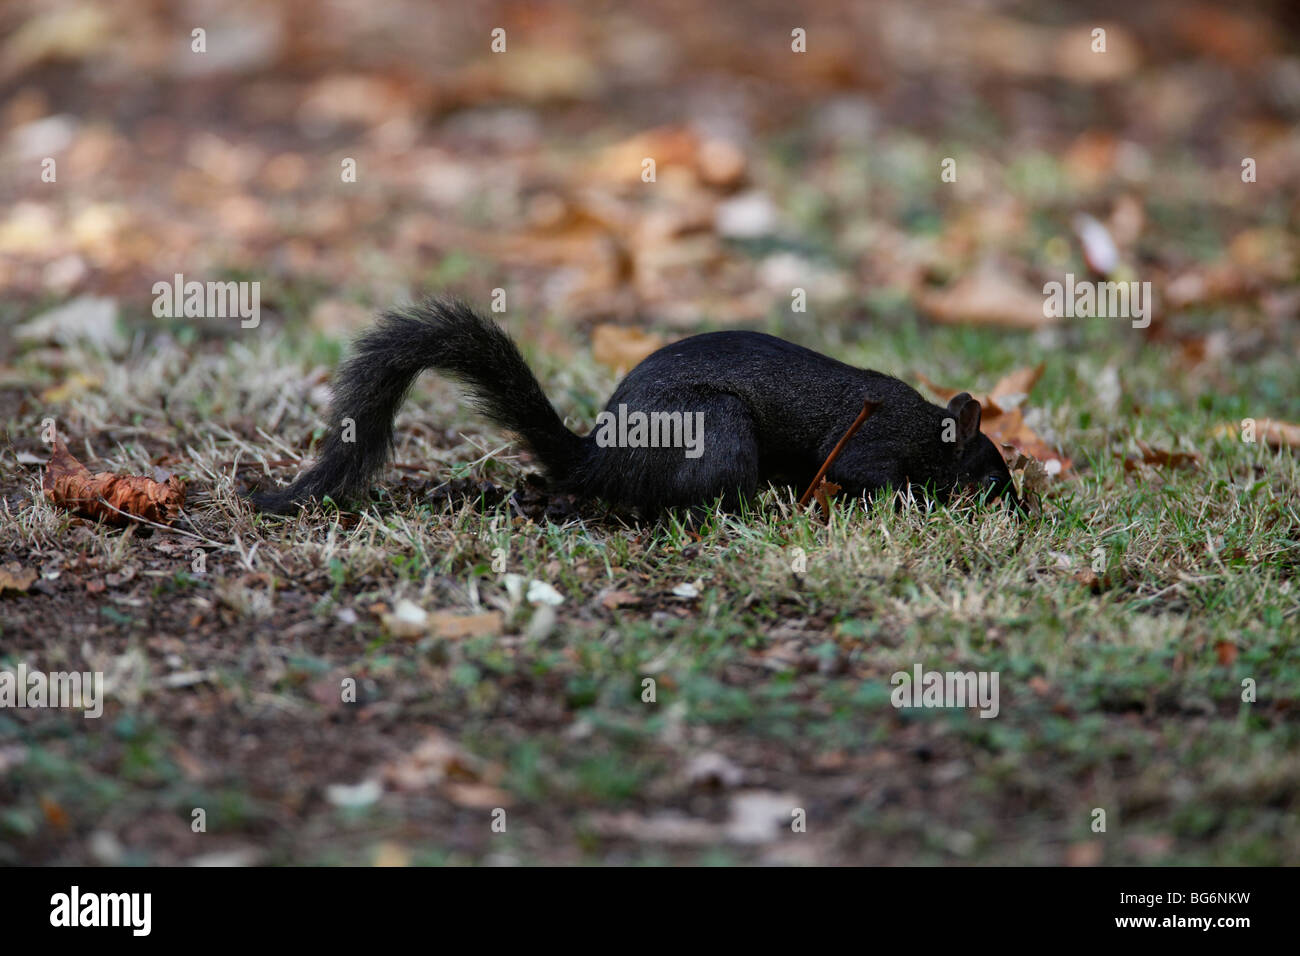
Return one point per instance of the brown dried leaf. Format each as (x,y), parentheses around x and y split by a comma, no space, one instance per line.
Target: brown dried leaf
(103,496)
(1272,432)
(1006,426)
(1019,382)
(622,348)
(477,796)
(668,146)
(987,297)
(1165,459)
(611,600)
(55,815)
(824,492)
(75,384)
(14,578)
(446,624)
(1009,428)
(1083,853)
(1278,434)
(434,761)
(1034,476)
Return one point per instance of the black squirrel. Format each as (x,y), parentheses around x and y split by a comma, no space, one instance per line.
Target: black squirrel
(772,411)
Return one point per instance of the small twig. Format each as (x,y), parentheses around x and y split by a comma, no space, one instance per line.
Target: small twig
(867,408)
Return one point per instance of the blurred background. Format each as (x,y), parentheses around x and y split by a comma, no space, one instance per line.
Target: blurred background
(775,169)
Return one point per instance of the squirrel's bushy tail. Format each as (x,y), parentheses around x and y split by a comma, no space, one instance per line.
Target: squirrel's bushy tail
(369,389)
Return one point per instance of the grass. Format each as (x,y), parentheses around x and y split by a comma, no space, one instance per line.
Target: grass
(1121,688)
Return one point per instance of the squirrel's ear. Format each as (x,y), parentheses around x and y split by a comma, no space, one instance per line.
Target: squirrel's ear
(967,412)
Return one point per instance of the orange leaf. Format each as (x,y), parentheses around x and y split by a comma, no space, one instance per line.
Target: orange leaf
(622,348)
(1272,432)
(446,624)
(1166,459)
(987,297)
(54,814)
(114,499)
(1019,382)
(1006,426)
(824,492)
(14,578)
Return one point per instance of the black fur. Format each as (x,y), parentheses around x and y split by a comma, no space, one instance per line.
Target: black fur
(773,411)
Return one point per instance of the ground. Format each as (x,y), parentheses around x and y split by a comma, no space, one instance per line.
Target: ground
(593,688)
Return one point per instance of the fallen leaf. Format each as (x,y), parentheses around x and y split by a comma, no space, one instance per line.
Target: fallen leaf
(85,319)
(1083,854)
(114,499)
(69,32)
(1278,434)
(1015,47)
(1089,579)
(408,620)
(824,492)
(987,297)
(478,796)
(354,795)
(1165,459)
(1009,428)
(1272,432)
(534,74)
(539,592)
(611,600)
(720,163)
(1004,423)
(687,590)
(713,771)
(668,146)
(54,813)
(750,215)
(1197,349)
(1240,38)
(1015,384)
(76,384)
(1149,847)
(434,761)
(1217,283)
(622,348)
(14,578)
(760,816)
(669,827)
(391,854)
(1099,249)
(447,624)
(338,317)
(1018,383)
